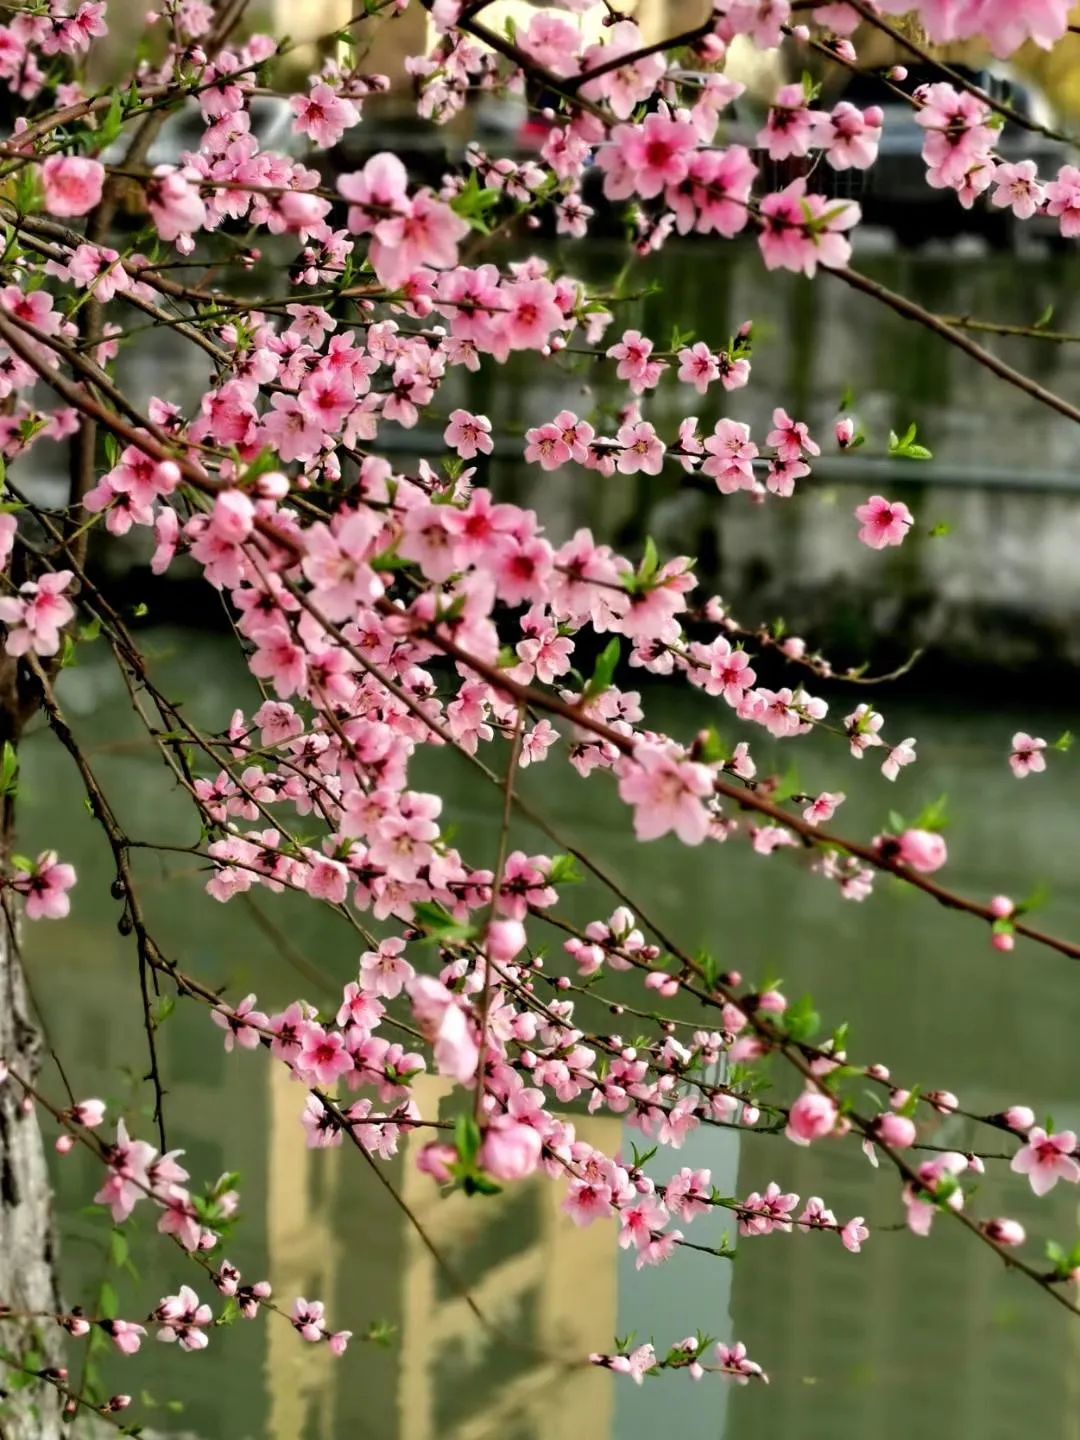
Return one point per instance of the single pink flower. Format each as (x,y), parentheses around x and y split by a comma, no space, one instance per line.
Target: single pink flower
(1046,1159)
(884,522)
(73,184)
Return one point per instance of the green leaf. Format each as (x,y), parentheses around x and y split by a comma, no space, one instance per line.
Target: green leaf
(1044,319)
(650,562)
(604,672)
(564,871)
(162,1008)
(1038,898)
(801,1021)
(1064,743)
(230,1312)
(108,1302)
(68,656)
(467,1139)
(109,127)
(118,1248)
(905,448)
(9,769)
(788,785)
(91,630)
(934,816)
(710,968)
(439,923)
(940,530)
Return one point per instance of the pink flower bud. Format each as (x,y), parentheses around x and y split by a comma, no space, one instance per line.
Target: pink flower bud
(895,1130)
(772,1002)
(1003,941)
(234,516)
(272,486)
(1004,1232)
(505,939)
(942,1100)
(1001,906)
(1019,1118)
(510,1151)
(812,1117)
(897,74)
(435,1160)
(845,432)
(65,1144)
(750,1115)
(922,850)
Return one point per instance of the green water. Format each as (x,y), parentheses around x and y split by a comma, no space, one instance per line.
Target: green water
(914,1335)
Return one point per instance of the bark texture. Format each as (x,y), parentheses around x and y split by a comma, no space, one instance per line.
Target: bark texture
(27,1270)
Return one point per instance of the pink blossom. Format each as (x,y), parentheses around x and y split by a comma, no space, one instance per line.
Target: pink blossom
(1027,756)
(1008,1233)
(899,756)
(812,1117)
(469,434)
(1019,1118)
(1063,194)
(801,231)
(45,887)
(884,522)
(1046,1159)
(823,808)
(854,1234)
(922,850)
(666,793)
(37,613)
(175,205)
(510,1151)
(73,184)
(126,1336)
(242,1025)
(447,1026)
(897,1131)
(323,116)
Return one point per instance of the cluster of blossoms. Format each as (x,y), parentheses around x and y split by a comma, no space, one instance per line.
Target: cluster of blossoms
(387,610)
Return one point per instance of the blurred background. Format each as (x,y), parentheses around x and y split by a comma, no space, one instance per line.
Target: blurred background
(913,1335)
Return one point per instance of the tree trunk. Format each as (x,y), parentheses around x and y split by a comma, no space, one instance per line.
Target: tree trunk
(27,1272)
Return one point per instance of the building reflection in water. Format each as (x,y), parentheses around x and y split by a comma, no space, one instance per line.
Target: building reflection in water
(553,1290)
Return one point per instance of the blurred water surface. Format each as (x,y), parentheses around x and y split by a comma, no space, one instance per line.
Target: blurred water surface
(914,1336)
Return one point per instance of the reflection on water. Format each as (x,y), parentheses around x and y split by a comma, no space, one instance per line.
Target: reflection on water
(911,1336)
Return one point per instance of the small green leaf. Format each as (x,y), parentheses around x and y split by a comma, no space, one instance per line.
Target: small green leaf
(564,871)
(162,1008)
(9,769)
(604,672)
(467,1139)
